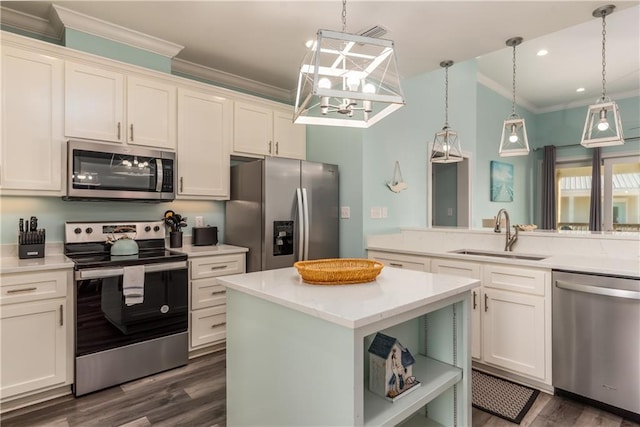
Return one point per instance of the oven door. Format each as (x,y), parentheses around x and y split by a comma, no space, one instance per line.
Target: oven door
(105,319)
(101,171)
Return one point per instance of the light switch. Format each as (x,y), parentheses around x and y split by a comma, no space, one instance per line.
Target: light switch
(199,221)
(345,212)
(385,212)
(376,213)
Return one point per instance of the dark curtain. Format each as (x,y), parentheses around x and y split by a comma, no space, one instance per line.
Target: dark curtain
(549,210)
(595,207)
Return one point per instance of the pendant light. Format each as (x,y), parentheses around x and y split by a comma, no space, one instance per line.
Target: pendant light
(347,80)
(603,126)
(514,132)
(446,145)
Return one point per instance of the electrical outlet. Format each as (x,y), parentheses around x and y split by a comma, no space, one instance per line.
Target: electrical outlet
(199,221)
(449,211)
(345,212)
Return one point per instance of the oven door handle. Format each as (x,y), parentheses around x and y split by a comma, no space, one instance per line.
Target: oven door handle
(100,273)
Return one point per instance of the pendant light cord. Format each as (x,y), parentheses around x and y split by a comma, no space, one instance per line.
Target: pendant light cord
(604,62)
(446,97)
(344,16)
(513,99)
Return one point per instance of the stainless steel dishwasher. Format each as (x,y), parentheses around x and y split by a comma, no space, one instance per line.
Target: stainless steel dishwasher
(596,339)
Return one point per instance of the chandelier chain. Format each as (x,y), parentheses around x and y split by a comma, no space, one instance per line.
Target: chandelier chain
(513,99)
(344,16)
(446,97)
(604,62)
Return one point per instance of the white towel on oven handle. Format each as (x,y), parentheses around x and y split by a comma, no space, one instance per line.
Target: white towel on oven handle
(133,284)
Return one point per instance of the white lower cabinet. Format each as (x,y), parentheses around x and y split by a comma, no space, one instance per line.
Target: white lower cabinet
(208,299)
(409,262)
(36,336)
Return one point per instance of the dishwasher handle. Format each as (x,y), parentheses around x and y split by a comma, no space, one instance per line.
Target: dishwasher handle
(597,290)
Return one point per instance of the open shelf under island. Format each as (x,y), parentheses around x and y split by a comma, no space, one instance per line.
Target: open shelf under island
(297,353)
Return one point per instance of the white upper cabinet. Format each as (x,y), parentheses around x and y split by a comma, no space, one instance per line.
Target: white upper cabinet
(94,103)
(151,113)
(95,100)
(204,138)
(32,123)
(264,131)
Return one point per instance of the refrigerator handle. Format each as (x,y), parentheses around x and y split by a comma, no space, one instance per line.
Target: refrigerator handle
(300,226)
(305,206)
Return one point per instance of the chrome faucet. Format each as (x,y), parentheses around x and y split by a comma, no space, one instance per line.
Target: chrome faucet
(510,239)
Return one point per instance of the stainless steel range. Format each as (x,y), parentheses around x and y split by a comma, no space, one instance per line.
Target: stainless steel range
(131,311)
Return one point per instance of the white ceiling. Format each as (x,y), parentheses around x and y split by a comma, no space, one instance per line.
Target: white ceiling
(263,41)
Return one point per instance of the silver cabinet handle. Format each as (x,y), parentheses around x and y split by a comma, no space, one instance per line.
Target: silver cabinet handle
(396,264)
(597,290)
(269,147)
(61,315)
(475,303)
(219,267)
(217,324)
(119,131)
(277,148)
(17,291)
(131,134)
(181,184)
(486,303)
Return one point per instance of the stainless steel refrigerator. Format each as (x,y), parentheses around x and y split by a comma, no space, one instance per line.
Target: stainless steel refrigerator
(283,210)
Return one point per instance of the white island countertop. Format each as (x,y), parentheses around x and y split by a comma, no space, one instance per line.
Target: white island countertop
(395,291)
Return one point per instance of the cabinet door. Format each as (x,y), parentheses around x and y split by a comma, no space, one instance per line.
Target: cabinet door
(151,113)
(290,138)
(208,326)
(252,129)
(33,347)
(514,328)
(204,137)
(470,270)
(94,103)
(32,122)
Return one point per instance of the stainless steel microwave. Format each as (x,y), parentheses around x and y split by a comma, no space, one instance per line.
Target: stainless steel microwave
(98,170)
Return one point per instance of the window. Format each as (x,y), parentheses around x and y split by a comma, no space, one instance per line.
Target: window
(620,194)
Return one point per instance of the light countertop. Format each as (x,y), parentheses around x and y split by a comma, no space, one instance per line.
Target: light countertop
(197,251)
(50,262)
(395,291)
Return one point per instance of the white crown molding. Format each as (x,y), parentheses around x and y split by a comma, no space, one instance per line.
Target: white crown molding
(496,87)
(231,80)
(32,24)
(587,102)
(107,30)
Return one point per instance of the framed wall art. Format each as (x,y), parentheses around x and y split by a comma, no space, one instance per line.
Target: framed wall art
(501,182)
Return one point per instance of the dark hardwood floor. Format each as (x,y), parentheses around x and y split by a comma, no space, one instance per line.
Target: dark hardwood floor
(194,396)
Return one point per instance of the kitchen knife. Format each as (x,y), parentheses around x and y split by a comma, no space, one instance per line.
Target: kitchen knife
(33,223)
(21,225)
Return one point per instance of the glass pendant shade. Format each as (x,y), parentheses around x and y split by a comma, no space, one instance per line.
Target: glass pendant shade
(347,80)
(603,126)
(514,140)
(446,147)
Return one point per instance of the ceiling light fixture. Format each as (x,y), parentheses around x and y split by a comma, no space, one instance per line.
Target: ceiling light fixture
(580,89)
(347,80)
(446,145)
(542,52)
(514,132)
(603,126)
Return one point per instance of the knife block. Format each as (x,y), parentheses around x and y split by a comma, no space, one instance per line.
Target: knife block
(31,251)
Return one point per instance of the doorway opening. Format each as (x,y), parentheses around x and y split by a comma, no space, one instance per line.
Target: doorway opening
(450,194)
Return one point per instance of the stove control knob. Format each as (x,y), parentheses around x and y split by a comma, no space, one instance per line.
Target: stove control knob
(147,229)
(89,230)
(77,230)
(156,228)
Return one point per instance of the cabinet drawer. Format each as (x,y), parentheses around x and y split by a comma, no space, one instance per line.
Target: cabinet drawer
(407,262)
(456,268)
(515,279)
(22,287)
(207,293)
(219,265)
(208,326)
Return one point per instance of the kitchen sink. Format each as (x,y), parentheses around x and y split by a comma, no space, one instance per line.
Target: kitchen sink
(509,255)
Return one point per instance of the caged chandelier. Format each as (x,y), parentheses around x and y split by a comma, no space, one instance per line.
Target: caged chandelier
(347,80)
(514,132)
(603,126)
(446,145)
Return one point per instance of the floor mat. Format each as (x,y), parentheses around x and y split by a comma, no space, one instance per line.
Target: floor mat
(501,398)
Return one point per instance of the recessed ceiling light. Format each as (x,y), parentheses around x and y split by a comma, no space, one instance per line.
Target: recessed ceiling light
(542,52)
(580,89)
(309,43)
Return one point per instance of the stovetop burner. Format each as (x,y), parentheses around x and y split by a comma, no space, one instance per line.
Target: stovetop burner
(85,243)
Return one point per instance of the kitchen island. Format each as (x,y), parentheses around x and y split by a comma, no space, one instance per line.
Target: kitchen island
(297,353)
